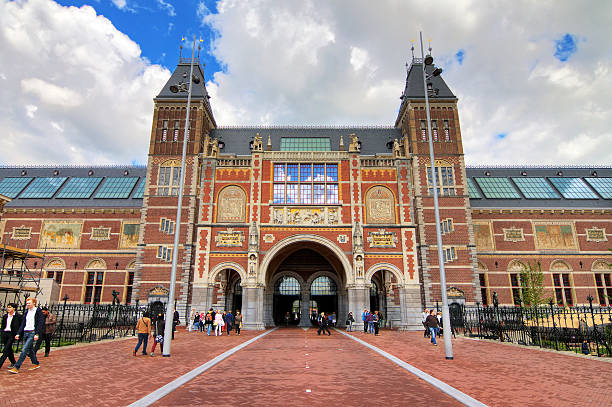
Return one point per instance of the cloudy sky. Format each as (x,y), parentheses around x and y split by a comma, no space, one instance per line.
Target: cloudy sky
(77,78)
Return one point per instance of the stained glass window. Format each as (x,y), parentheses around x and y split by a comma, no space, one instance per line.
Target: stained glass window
(305,144)
(11,187)
(535,188)
(117,188)
(573,188)
(497,188)
(306,184)
(43,187)
(474,194)
(323,286)
(603,186)
(288,285)
(79,188)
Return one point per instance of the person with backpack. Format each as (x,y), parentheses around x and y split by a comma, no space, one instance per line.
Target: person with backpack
(143,327)
(323,325)
(209,319)
(157,333)
(349,322)
(364,317)
(375,322)
(229,321)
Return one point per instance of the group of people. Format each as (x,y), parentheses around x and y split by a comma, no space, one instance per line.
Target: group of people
(432,322)
(36,326)
(372,321)
(218,321)
(154,327)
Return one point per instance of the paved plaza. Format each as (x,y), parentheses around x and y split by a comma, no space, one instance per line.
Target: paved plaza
(297,367)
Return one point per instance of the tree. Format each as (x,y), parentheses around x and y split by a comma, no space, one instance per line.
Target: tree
(532,284)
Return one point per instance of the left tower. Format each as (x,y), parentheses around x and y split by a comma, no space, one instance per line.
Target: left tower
(158,216)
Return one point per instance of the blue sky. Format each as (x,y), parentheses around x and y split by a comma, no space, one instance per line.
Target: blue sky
(532,78)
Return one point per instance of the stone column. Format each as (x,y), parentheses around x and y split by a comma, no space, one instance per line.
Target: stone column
(411,312)
(252,308)
(268,308)
(201,299)
(358,299)
(305,308)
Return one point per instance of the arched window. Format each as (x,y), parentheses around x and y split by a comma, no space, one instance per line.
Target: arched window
(445,178)
(238,288)
(323,286)
(373,289)
(288,285)
(169,178)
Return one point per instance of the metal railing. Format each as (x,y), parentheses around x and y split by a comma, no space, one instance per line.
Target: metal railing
(583,329)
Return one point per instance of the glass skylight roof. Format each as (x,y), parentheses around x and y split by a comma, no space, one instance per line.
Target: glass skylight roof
(472,191)
(11,187)
(43,187)
(603,186)
(535,188)
(497,188)
(305,144)
(139,193)
(116,188)
(573,188)
(79,188)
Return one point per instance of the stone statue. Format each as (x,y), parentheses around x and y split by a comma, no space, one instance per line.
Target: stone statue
(354,145)
(495,300)
(253,238)
(396,149)
(257,143)
(357,238)
(214,148)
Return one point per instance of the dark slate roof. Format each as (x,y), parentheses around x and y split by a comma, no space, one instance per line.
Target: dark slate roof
(76,171)
(539,172)
(180,75)
(373,139)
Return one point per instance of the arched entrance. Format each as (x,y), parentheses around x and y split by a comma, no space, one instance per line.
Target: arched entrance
(227,291)
(302,281)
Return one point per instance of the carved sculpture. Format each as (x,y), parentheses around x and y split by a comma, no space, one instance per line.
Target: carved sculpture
(354,145)
(257,143)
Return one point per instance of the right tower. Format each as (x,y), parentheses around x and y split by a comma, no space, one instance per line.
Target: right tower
(455,213)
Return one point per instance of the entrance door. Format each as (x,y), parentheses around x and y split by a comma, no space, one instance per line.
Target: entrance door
(324,293)
(287,301)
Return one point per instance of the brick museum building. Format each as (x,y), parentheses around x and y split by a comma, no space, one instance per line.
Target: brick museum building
(297,220)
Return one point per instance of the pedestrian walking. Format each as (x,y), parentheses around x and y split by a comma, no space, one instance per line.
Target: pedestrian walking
(287,317)
(143,327)
(323,325)
(370,321)
(48,331)
(425,315)
(218,323)
(202,321)
(238,322)
(349,322)
(229,321)
(176,320)
(364,316)
(157,332)
(432,323)
(381,320)
(31,328)
(196,322)
(333,319)
(376,322)
(209,320)
(11,321)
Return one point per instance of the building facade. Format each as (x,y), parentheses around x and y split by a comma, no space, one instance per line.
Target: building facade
(284,222)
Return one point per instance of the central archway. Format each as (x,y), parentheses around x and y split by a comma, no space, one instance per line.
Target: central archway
(303,277)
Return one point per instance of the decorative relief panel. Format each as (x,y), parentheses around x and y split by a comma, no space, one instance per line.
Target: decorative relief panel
(60,235)
(21,233)
(231,205)
(380,205)
(229,238)
(130,232)
(305,216)
(382,239)
(554,236)
(596,235)
(100,233)
(342,238)
(514,235)
(483,236)
(268,238)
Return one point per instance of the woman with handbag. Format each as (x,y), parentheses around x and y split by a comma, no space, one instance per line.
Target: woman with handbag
(218,323)
(158,332)
(238,321)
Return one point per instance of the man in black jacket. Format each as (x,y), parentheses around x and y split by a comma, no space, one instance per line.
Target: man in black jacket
(9,326)
(32,327)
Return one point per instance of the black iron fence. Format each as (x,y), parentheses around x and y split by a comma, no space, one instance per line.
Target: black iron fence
(586,330)
(78,323)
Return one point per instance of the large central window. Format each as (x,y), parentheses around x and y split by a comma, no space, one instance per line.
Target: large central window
(306,184)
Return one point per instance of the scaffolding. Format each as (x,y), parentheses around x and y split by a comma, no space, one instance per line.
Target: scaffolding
(17,281)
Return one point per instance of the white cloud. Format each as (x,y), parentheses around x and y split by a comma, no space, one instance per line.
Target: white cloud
(343,63)
(164,5)
(77,75)
(120,4)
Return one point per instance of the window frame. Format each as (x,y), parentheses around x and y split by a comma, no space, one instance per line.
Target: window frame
(320,185)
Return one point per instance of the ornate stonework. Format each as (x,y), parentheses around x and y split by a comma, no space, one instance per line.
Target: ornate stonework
(342,238)
(100,233)
(232,205)
(514,235)
(21,233)
(380,206)
(305,216)
(382,239)
(229,238)
(268,238)
(596,235)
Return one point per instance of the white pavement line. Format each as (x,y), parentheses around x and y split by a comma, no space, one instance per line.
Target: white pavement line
(175,384)
(439,384)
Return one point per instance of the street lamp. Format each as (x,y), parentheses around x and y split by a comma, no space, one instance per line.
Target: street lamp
(179,87)
(448,346)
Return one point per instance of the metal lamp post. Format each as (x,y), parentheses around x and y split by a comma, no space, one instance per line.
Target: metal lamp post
(448,346)
(177,230)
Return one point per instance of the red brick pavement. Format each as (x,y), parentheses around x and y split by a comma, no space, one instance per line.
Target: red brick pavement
(107,374)
(272,372)
(504,375)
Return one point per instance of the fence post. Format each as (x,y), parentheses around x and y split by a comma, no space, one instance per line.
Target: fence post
(61,329)
(478,317)
(595,333)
